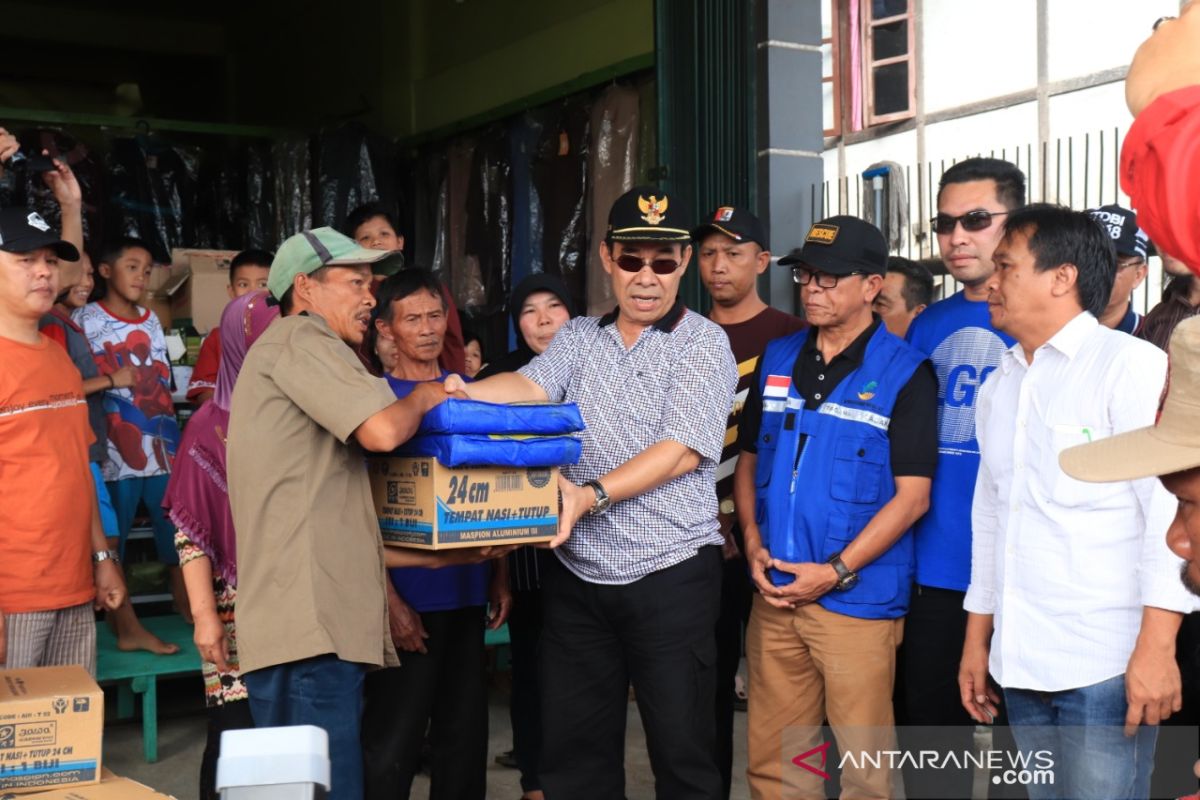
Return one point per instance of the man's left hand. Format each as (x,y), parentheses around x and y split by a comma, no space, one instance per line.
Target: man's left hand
(576,501)
(812,582)
(499,600)
(1152,686)
(110,586)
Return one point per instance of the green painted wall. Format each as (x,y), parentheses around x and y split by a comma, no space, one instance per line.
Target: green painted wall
(406,68)
(472,57)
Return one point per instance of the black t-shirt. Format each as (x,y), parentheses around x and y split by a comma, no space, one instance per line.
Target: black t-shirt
(913,431)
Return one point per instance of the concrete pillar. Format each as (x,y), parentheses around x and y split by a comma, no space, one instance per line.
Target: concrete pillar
(790,133)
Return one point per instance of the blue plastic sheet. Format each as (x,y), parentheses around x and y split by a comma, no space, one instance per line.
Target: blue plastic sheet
(475,416)
(465,450)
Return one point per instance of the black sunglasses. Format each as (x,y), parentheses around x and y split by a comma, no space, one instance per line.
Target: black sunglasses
(972,221)
(661,266)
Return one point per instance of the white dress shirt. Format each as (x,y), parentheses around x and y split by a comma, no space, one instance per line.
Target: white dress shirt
(1066,567)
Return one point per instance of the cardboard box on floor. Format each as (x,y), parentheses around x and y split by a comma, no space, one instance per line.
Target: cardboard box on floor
(51,727)
(423,504)
(110,787)
(208,289)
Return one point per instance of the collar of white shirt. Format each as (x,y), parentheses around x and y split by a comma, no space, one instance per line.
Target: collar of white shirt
(1068,340)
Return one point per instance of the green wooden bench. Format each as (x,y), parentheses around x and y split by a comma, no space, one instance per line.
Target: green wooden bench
(137,672)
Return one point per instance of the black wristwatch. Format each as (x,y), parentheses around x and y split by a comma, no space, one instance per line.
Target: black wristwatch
(603,501)
(846,578)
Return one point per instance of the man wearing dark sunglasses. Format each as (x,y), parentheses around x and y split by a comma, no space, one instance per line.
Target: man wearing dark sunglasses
(974,198)
(634,592)
(839,443)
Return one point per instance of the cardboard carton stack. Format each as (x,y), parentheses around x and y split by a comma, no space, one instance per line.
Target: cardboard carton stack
(476,474)
(51,734)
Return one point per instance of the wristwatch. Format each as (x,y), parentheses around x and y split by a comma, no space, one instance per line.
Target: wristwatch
(727,506)
(105,555)
(603,501)
(846,578)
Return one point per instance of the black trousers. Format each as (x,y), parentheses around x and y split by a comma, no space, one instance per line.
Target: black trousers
(736,594)
(930,705)
(525,711)
(934,632)
(657,633)
(225,717)
(443,691)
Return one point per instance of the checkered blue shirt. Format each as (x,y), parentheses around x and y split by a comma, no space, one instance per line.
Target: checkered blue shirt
(676,382)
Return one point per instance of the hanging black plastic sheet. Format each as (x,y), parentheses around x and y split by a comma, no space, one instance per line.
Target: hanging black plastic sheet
(524,136)
(430,211)
(258,230)
(293,186)
(489,222)
(221,205)
(152,192)
(613,167)
(560,175)
(463,268)
(354,166)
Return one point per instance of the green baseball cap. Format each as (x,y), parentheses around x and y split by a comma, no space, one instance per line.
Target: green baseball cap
(308,251)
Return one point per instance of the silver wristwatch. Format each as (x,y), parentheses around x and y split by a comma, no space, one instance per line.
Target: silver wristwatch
(603,501)
(105,555)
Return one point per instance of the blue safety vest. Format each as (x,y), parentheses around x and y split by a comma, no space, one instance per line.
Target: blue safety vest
(812,507)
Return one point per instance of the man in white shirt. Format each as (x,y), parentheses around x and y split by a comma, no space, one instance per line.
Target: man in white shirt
(1074,599)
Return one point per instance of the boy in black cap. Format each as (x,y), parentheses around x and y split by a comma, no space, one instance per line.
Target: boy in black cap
(634,591)
(1131,244)
(56,561)
(839,443)
(732,251)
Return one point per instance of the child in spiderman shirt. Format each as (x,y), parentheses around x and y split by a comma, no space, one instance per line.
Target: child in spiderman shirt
(142,430)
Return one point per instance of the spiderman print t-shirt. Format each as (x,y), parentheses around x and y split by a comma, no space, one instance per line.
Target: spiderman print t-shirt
(142,431)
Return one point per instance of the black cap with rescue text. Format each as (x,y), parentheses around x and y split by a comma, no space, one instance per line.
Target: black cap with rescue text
(841,245)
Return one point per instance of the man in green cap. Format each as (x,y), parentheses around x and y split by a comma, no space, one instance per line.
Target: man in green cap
(311,580)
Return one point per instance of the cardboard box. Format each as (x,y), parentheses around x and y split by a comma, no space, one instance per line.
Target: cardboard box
(51,725)
(166,294)
(421,503)
(110,787)
(208,289)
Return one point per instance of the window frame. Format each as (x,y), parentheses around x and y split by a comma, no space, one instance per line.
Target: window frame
(869,64)
(835,79)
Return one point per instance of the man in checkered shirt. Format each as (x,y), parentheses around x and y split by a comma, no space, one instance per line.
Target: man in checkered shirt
(634,594)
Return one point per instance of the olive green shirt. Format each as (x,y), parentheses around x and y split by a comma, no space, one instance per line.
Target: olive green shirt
(311,577)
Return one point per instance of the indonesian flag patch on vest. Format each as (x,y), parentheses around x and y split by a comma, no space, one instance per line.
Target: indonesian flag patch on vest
(777,386)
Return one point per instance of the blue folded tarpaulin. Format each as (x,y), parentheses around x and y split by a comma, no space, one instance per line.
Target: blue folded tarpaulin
(468,449)
(475,416)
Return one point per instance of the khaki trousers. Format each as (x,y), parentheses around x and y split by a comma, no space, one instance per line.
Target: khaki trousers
(807,665)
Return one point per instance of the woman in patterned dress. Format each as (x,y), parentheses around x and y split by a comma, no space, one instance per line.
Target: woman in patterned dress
(197,502)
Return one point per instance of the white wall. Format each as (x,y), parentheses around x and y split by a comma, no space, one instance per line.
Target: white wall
(974,50)
(1087,36)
